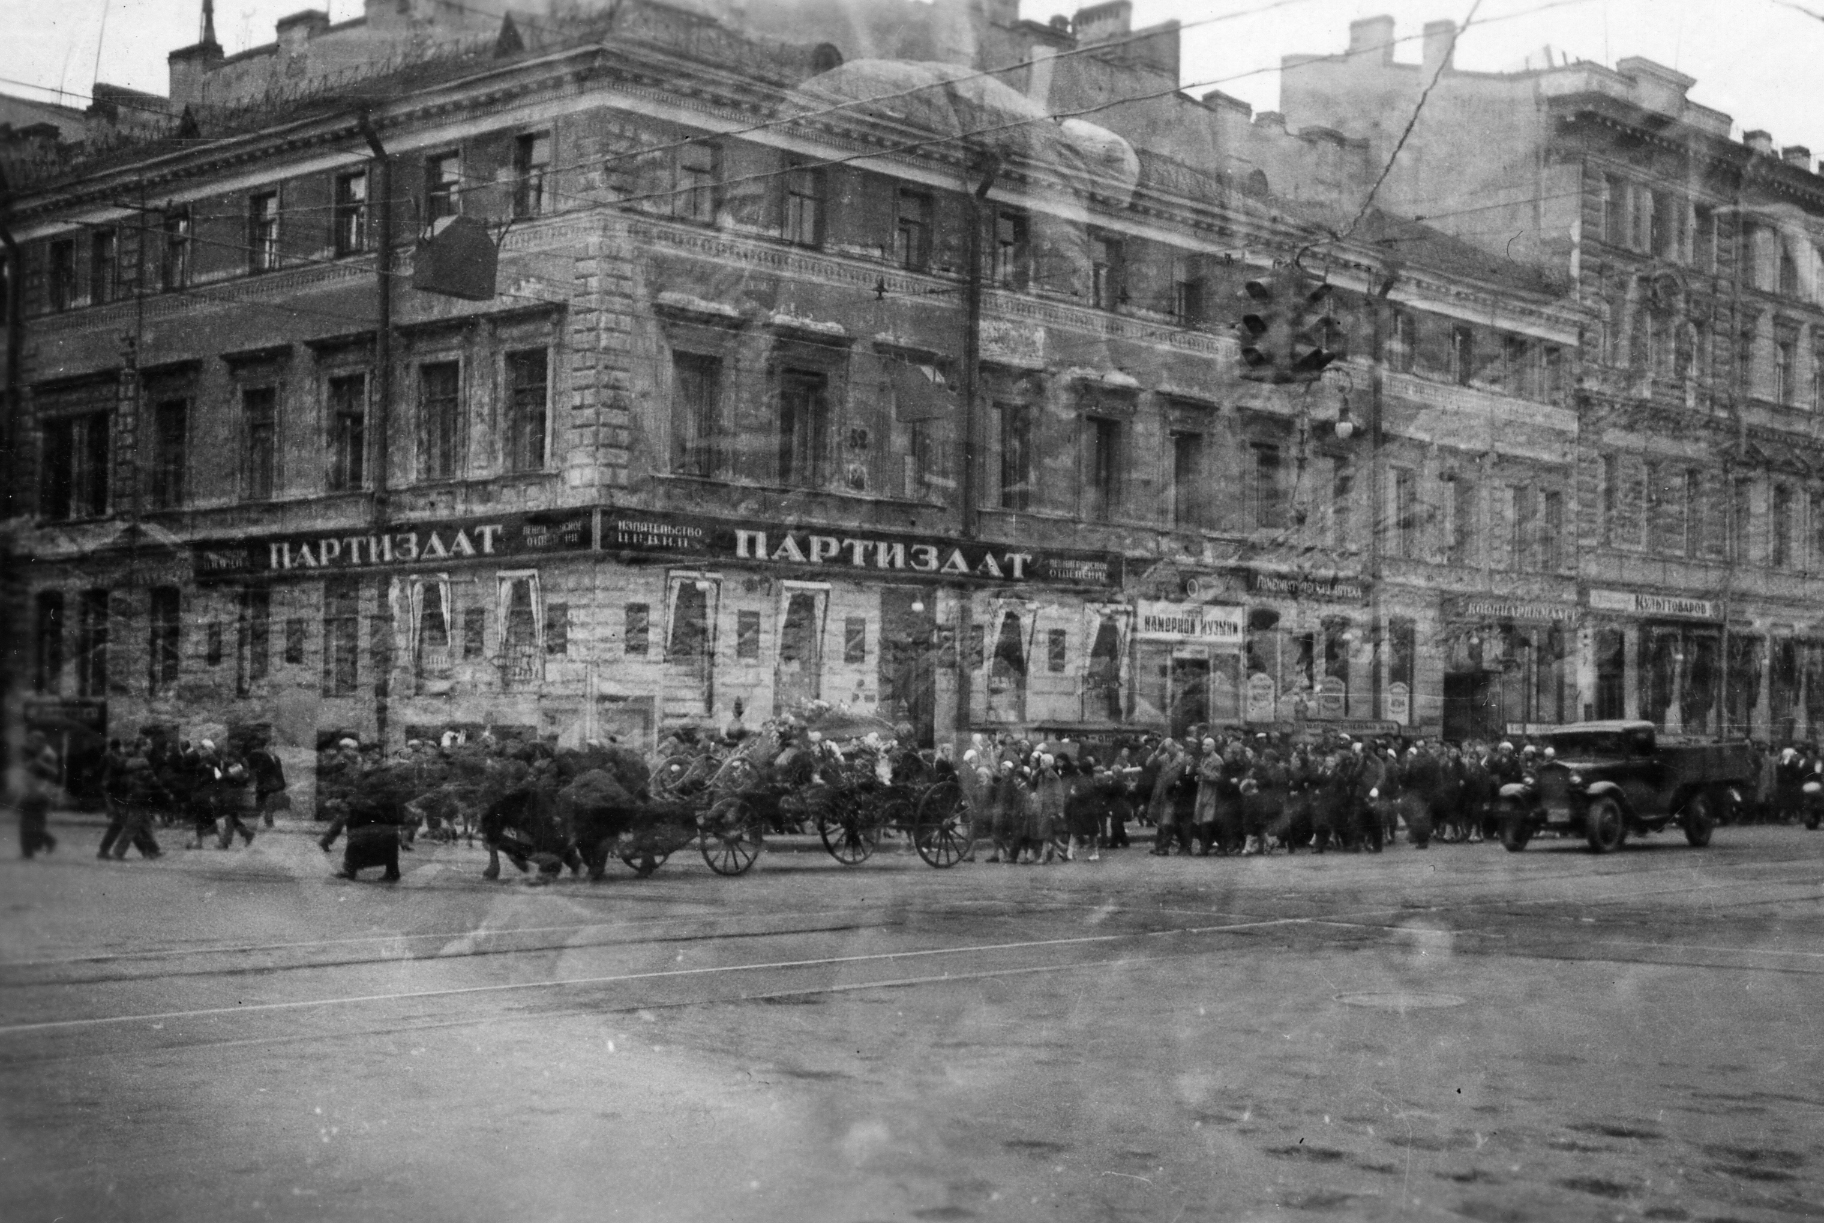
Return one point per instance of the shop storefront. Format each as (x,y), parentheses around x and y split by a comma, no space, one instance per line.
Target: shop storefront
(1508,663)
(1188,665)
(1669,660)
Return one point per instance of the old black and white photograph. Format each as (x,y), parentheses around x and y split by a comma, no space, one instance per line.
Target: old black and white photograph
(886,611)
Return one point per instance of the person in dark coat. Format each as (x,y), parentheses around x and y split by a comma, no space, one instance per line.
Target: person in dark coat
(268,781)
(373,830)
(1263,802)
(41,782)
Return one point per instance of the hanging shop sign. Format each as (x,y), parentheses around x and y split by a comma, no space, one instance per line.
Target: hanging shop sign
(1332,696)
(1399,703)
(1200,623)
(1335,588)
(1483,608)
(1642,604)
(878,554)
(513,537)
(1262,699)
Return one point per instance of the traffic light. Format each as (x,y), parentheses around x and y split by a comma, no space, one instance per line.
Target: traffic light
(1289,334)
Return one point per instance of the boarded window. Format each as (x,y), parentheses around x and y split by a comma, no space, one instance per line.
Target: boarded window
(747,634)
(474,630)
(253,638)
(294,641)
(557,628)
(855,640)
(1056,650)
(164,638)
(341,637)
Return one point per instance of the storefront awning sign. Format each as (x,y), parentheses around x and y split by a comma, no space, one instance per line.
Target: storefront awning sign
(1306,586)
(870,554)
(1642,604)
(1189,622)
(402,545)
(1477,608)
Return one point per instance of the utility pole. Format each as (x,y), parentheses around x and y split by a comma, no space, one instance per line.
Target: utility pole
(380,210)
(1376,520)
(989,166)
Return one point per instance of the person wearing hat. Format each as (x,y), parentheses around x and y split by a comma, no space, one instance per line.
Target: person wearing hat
(41,784)
(139,794)
(1788,784)
(269,784)
(233,797)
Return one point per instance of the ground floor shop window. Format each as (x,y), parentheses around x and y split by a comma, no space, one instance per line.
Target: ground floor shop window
(1006,679)
(164,632)
(522,646)
(1811,660)
(1102,678)
(1742,692)
(908,660)
(798,673)
(253,638)
(341,637)
(1783,690)
(1611,673)
(430,634)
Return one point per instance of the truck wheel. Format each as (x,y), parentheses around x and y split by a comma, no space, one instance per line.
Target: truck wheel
(1811,818)
(1516,831)
(1698,820)
(1603,825)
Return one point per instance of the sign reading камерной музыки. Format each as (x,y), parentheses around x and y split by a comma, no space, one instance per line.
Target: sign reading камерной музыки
(859,553)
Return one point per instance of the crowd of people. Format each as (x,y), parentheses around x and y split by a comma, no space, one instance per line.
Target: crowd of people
(1220,793)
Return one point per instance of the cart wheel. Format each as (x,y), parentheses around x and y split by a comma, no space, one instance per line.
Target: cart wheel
(737,773)
(1698,821)
(851,837)
(945,832)
(1604,826)
(644,859)
(729,836)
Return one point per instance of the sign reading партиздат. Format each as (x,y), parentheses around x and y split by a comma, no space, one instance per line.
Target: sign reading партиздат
(508,537)
(856,552)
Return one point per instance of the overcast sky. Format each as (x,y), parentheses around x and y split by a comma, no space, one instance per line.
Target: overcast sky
(1755,59)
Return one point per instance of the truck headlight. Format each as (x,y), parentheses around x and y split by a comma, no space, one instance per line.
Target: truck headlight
(1576,779)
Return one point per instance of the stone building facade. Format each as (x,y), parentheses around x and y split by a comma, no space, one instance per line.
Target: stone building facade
(806,374)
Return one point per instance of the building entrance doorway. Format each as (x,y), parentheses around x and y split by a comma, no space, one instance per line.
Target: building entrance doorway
(1190,695)
(1472,706)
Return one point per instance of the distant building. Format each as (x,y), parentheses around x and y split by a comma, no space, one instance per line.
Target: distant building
(1700,508)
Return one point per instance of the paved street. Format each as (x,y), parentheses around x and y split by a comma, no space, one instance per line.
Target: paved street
(1456,1033)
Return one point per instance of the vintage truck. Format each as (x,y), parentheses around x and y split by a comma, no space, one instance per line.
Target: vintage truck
(1604,780)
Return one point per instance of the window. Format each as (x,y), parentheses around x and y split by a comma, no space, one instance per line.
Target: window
(804,427)
(1611,485)
(747,634)
(1611,672)
(1463,522)
(1056,649)
(1703,243)
(74,478)
(1106,291)
(253,638)
(442,186)
(351,213)
(912,237)
(439,420)
(165,636)
(1785,356)
(1188,302)
(263,232)
(1640,217)
(1817,379)
(696,399)
(1516,366)
(260,414)
(1782,527)
(531,165)
(1016,456)
(1551,380)
(1342,497)
(1521,553)
(1817,538)
(341,636)
(1694,512)
(212,643)
(698,174)
(1405,514)
(1187,480)
(1011,251)
(1402,341)
(347,433)
(1741,519)
(92,644)
(1268,494)
(855,639)
(803,206)
(1664,229)
(104,266)
(170,453)
(528,408)
(557,628)
(174,262)
(636,633)
(522,659)
(1789,271)
(1551,532)
(1614,210)
(63,275)
(1462,354)
(474,633)
(49,677)
(1103,467)
(295,631)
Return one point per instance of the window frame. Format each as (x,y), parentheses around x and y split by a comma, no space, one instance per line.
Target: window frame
(912,233)
(441,434)
(263,232)
(346,468)
(804,426)
(530,174)
(804,199)
(349,213)
(442,191)
(260,479)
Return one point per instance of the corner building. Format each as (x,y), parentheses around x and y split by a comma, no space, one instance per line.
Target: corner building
(834,370)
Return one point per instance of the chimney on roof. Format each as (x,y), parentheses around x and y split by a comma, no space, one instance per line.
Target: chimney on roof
(1796,155)
(1101,22)
(1760,142)
(1371,38)
(208,34)
(1440,45)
